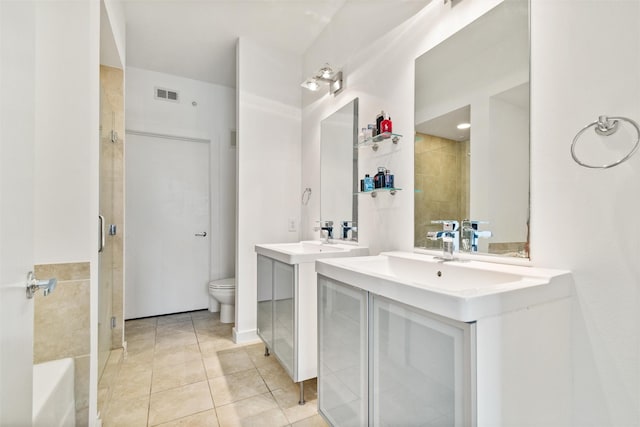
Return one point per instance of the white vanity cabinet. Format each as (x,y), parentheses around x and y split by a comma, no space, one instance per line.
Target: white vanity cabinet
(386,363)
(287,316)
(405,339)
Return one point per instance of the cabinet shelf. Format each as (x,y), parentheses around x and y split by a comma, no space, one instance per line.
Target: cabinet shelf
(374,192)
(374,141)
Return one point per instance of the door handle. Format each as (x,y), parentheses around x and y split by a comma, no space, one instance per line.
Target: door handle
(34,284)
(203,234)
(102,242)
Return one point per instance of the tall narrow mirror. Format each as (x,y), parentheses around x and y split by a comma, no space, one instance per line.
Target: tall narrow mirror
(472,133)
(339,170)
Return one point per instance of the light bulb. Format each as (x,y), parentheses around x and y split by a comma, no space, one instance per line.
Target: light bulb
(464,126)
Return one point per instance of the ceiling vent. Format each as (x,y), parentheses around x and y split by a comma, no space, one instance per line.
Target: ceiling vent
(166,94)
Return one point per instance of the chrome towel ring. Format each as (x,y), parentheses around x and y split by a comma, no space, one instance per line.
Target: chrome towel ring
(606,126)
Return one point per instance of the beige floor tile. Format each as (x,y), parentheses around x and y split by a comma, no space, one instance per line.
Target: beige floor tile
(256,354)
(127,412)
(140,333)
(172,328)
(314,421)
(176,355)
(175,340)
(167,364)
(179,402)
(226,362)
(209,345)
(141,323)
(275,376)
(173,318)
(131,384)
(271,418)
(204,314)
(201,419)
(140,345)
(173,376)
(238,386)
(232,414)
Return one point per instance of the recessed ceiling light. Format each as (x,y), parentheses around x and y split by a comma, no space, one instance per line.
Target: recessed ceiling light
(464,126)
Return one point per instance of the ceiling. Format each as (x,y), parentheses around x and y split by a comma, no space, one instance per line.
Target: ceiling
(197,38)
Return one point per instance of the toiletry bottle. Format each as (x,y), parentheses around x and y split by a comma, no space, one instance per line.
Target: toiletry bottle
(362,185)
(371,128)
(379,119)
(378,179)
(386,126)
(388,179)
(368,183)
(362,135)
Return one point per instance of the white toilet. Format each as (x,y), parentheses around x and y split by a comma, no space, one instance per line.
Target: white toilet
(222,297)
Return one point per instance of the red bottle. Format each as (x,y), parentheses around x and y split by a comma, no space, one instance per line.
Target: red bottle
(386,126)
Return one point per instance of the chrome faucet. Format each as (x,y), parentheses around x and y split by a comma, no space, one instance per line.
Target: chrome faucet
(449,236)
(326,229)
(347,226)
(470,235)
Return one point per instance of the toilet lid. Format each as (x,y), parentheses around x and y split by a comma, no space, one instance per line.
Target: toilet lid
(229,283)
(221,286)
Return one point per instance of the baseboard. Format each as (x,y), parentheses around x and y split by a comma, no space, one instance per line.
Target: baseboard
(245,337)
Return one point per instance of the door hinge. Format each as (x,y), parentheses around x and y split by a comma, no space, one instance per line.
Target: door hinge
(113,322)
(114,136)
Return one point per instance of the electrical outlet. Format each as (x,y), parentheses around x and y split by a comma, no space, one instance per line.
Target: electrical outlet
(292,224)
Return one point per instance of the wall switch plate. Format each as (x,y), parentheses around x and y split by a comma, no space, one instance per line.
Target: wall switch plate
(292,224)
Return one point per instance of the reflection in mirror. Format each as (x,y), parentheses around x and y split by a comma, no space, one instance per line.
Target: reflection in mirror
(339,170)
(472,133)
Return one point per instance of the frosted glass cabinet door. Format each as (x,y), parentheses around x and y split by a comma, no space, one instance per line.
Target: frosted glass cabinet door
(342,340)
(265,300)
(283,314)
(422,367)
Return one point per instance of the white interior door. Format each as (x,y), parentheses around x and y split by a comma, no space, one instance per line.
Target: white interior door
(17,117)
(167,215)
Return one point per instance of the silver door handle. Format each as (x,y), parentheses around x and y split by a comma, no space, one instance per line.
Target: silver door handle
(34,284)
(203,234)
(102,242)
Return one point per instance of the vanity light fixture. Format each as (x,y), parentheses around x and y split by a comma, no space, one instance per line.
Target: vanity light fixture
(326,74)
(463,126)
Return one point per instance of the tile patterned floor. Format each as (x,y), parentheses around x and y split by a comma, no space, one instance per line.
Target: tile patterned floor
(185,370)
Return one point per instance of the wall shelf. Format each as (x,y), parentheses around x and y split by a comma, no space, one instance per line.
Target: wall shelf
(374,141)
(374,192)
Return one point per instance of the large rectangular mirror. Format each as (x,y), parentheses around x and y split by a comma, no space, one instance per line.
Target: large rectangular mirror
(472,132)
(339,170)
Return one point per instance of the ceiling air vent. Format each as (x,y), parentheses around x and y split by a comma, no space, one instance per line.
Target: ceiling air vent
(166,94)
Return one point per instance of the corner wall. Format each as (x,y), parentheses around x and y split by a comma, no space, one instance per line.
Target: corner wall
(268,164)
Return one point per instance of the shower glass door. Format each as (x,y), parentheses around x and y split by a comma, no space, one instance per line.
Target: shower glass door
(105,280)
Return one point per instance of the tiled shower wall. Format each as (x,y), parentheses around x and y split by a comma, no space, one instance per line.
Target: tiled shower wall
(61,325)
(441,184)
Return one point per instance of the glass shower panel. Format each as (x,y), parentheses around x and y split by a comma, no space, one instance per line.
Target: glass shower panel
(105,259)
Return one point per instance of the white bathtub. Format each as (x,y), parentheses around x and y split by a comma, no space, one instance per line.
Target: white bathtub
(53,394)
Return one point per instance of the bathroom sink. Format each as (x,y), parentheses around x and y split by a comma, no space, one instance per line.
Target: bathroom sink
(460,290)
(308,251)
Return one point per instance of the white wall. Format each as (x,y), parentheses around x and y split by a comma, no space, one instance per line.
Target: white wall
(66,144)
(66,123)
(213,118)
(268,114)
(586,220)
(583,220)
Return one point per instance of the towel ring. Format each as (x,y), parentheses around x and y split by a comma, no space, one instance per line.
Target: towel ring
(606,126)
